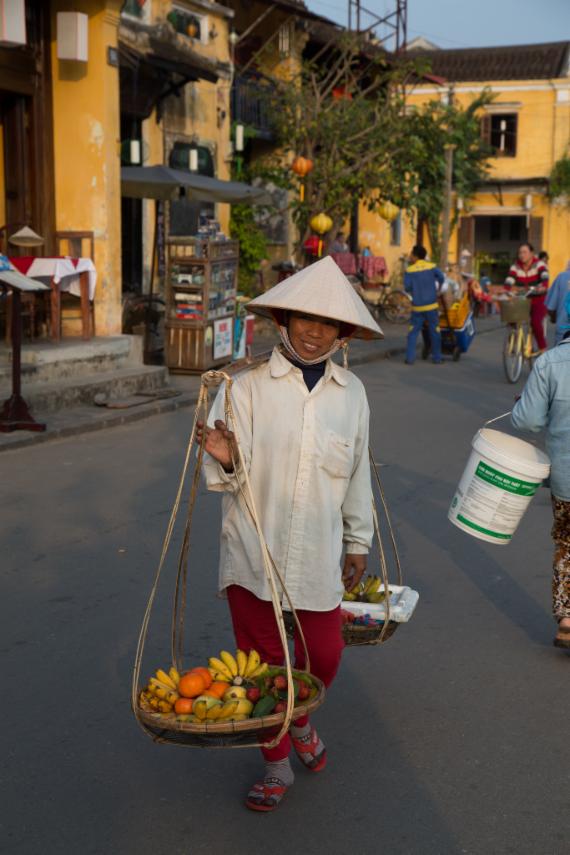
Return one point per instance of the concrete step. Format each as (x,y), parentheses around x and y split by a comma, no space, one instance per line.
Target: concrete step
(73,358)
(67,392)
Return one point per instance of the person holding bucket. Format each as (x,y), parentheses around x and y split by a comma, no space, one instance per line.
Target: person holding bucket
(302,423)
(545,403)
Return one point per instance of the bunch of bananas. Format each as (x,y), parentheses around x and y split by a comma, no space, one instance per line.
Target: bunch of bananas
(206,708)
(162,691)
(367,591)
(236,669)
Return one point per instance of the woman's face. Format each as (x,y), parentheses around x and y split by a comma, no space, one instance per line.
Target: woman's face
(310,335)
(525,254)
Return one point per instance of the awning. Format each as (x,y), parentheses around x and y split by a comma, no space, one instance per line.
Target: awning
(162,182)
(154,63)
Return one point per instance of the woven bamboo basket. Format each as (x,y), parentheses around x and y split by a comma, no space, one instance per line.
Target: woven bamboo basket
(252,731)
(353,635)
(515,311)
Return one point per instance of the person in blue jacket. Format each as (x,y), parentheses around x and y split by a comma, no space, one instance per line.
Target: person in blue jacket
(421,281)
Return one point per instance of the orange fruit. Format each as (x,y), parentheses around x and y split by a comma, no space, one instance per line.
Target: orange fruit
(191,685)
(183,706)
(205,674)
(218,689)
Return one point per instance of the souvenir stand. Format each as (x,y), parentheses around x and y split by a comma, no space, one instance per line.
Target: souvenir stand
(201,285)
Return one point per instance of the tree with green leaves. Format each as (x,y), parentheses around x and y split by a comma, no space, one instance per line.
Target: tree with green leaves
(346,111)
(429,129)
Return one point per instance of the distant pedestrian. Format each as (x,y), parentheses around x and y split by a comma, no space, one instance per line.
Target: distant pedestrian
(556,302)
(422,281)
(339,244)
(529,272)
(545,403)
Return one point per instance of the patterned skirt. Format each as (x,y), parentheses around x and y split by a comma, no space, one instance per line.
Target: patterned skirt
(561,566)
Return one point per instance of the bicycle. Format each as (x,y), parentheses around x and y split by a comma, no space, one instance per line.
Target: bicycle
(517,346)
(396,305)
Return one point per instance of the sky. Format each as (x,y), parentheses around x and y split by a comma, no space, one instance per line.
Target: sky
(470,23)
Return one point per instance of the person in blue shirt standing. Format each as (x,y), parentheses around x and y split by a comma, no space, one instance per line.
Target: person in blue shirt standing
(555,302)
(421,281)
(545,403)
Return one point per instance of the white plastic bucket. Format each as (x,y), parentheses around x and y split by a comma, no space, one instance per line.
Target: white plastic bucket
(502,475)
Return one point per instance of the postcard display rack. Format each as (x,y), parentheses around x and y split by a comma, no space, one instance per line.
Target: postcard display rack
(200,303)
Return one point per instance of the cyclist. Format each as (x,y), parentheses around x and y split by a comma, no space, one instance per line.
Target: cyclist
(526,273)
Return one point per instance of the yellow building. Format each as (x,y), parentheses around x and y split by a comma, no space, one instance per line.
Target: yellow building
(59,168)
(175,83)
(528,126)
(79,97)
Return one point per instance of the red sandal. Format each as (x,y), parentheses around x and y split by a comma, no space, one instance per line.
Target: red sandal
(318,763)
(267,795)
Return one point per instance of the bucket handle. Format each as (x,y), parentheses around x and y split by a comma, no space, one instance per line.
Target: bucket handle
(496,419)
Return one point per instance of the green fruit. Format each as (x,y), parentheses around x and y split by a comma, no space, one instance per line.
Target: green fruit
(264,706)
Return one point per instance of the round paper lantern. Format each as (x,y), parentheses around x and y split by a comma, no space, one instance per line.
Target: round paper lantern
(302,166)
(320,224)
(388,211)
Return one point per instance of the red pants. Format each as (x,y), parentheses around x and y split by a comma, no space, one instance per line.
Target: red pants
(255,628)
(538,312)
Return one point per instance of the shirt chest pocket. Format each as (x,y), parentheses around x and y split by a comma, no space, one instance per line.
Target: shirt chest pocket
(338,456)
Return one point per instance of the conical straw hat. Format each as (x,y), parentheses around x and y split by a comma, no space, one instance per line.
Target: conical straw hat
(321,289)
(26,237)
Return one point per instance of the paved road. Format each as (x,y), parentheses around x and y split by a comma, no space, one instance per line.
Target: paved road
(453,738)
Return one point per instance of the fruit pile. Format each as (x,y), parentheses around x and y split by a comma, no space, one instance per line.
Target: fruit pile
(366,591)
(231,688)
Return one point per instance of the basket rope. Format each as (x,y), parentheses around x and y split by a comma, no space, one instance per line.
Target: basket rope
(381,551)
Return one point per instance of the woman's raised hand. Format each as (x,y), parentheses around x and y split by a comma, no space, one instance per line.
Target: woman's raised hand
(220,442)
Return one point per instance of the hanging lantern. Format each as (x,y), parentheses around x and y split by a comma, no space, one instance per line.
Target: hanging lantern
(301,166)
(388,211)
(321,224)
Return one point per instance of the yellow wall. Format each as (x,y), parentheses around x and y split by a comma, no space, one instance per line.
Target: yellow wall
(543,120)
(86,152)
(200,108)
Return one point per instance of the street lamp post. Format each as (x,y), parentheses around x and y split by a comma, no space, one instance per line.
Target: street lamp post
(449,148)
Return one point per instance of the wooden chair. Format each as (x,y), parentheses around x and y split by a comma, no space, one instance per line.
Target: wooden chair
(78,244)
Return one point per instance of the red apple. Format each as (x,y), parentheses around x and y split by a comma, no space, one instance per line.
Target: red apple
(280,682)
(280,707)
(253,694)
(304,692)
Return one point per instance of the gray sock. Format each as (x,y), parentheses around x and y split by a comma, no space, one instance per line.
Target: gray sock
(303,734)
(280,769)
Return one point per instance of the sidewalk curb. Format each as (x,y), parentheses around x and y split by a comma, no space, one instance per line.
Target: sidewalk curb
(166,406)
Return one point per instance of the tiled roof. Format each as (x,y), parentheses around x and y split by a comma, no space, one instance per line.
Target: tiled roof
(515,62)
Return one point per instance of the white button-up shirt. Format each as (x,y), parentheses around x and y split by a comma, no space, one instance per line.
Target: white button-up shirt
(307,460)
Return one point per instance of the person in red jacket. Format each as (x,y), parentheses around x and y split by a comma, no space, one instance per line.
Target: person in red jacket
(529,271)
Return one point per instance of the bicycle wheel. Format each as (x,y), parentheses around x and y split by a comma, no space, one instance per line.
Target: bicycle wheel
(397,308)
(513,355)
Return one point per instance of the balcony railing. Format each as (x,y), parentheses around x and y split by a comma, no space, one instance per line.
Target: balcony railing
(250,105)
